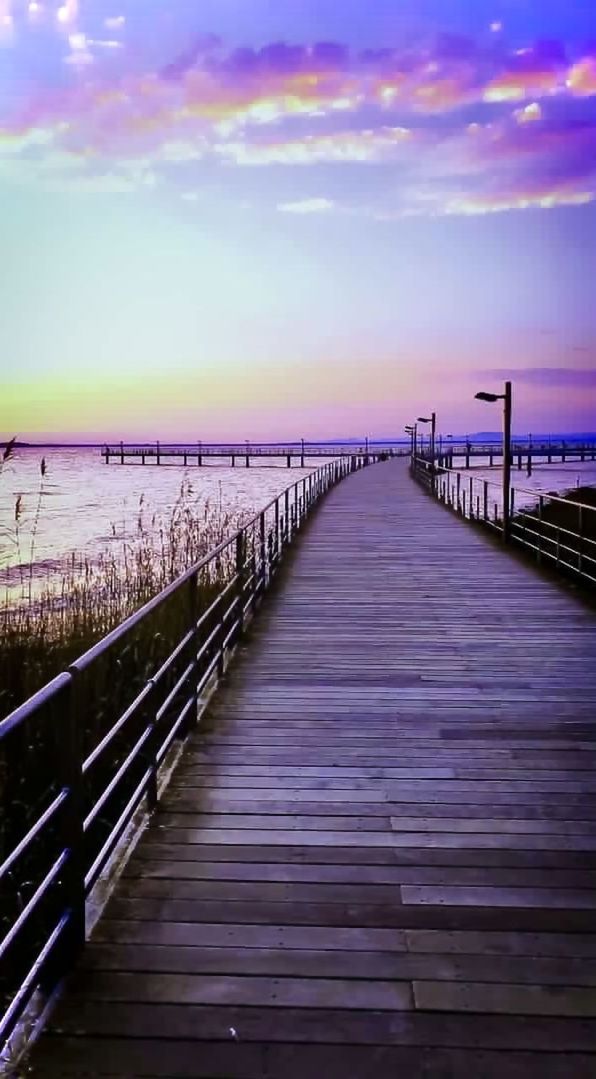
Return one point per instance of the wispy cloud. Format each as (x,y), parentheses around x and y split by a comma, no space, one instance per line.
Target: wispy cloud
(548,376)
(470,126)
(306,206)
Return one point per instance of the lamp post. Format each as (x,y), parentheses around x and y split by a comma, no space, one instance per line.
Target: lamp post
(432,419)
(412,430)
(507,399)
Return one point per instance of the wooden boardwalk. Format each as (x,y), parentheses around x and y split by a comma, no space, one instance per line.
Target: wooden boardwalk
(377,859)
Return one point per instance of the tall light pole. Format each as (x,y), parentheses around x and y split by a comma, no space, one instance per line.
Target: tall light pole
(432,419)
(412,430)
(507,399)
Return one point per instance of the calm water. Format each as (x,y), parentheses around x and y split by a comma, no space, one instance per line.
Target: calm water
(86,506)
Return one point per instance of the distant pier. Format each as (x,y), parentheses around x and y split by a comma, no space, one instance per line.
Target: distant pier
(199,454)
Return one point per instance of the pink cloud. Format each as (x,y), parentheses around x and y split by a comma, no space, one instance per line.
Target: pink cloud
(324,105)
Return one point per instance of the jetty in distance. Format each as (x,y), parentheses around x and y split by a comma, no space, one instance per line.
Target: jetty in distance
(359,742)
(447,451)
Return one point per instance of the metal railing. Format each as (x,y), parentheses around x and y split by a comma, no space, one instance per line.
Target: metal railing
(190,453)
(81,758)
(556,531)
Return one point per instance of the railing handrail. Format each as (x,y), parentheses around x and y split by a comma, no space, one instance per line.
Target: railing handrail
(492,483)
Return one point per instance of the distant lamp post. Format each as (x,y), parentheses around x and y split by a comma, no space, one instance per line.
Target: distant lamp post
(412,431)
(432,419)
(507,399)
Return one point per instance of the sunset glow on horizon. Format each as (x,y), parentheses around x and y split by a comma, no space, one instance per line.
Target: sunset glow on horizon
(239,219)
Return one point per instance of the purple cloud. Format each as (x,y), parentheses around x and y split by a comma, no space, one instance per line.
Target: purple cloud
(548,376)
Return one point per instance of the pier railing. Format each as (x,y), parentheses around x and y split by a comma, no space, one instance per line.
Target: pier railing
(556,531)
(198,453)
(85,755)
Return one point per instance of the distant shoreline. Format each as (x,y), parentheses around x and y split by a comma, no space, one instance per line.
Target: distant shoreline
(486,436)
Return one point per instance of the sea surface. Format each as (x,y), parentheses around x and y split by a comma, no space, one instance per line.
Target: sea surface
(85,507)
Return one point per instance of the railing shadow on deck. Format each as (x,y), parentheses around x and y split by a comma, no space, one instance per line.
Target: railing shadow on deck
(555,531)
(81,758)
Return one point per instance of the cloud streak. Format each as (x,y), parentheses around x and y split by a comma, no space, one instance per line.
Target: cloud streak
(549,377)
(469,127)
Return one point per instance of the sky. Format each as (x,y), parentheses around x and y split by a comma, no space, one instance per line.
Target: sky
(295,218)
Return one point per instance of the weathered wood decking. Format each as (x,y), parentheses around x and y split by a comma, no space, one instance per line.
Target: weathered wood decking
(377,858)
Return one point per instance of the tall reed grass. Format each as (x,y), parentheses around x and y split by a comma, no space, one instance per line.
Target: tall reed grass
(44,627)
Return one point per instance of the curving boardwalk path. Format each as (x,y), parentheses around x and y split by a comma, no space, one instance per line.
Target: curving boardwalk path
(378,857)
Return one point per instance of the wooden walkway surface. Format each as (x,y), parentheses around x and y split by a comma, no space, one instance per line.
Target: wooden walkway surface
(377,858)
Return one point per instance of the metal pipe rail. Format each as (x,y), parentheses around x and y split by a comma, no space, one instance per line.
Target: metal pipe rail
(555,530)
(79,759)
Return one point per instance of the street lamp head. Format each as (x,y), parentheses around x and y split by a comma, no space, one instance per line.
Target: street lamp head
(488,396)
(424,419)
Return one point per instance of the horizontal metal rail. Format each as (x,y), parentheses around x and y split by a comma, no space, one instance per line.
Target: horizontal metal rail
(568,541)
(95,738)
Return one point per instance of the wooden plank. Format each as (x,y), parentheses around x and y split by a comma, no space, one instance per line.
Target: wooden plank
(205,1023)
(248,935)
(307,963)
(245,990)
(126,1057)
(348,874)
(255,912)
(505,999)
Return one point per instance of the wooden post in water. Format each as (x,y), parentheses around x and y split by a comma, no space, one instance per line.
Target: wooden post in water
(289,461)
(301,453)
(157,452)
(121,453)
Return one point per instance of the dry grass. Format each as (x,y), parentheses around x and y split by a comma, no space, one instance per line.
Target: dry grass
(44,629)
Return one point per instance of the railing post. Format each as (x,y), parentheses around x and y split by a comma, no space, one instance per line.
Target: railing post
(276,530)
(240,558)
(287,516)
(151,789)
(263,547)
(193,606)
(485,499)
(71,759)
(580,561)
(540,516)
